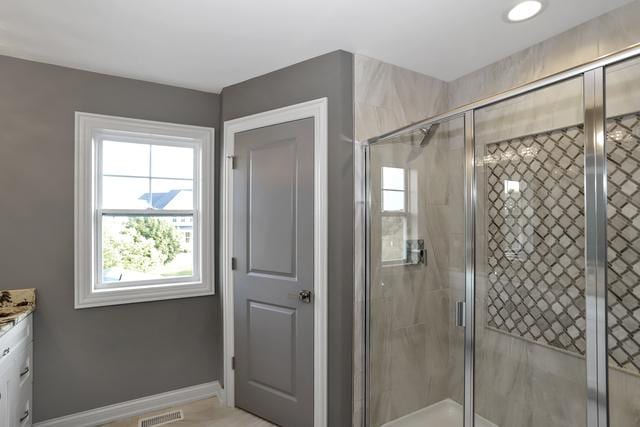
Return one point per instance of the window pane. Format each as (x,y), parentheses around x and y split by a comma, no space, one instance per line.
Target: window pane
(393,200)
(392,178)
(172,194)
(393,238)
(125,193)
(123,158)
(171,162)
(136,248)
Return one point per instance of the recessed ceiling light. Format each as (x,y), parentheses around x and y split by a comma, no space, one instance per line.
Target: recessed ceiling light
(524,10)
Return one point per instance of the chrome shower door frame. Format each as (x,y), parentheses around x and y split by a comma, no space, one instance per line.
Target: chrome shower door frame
(470,205)
(595,189)
(595,163)
(365,172)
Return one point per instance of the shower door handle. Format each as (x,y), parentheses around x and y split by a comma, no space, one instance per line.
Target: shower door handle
(460,314)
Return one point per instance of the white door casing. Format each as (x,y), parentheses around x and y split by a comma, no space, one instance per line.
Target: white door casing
(316,109)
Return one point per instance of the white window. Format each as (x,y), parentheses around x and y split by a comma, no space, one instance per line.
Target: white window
(394,215)
(141,187)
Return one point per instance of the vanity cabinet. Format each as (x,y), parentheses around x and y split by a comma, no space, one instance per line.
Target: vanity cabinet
(16,382)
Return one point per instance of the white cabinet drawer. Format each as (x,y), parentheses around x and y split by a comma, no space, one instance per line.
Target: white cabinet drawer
(24,363)
(17,337)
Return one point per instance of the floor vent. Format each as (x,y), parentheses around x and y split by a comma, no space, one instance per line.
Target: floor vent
(162,419)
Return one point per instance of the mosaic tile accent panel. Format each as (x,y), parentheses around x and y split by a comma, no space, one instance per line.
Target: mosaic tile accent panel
(535,240)
(623,230)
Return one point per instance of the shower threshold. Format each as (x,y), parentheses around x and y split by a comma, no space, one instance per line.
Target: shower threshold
(446,413)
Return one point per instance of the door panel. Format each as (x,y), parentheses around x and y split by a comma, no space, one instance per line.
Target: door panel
(272,189)
(273,247)
(278,348)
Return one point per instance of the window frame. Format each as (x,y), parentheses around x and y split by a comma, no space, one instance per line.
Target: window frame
(91,131)
(100,212)
(404,213)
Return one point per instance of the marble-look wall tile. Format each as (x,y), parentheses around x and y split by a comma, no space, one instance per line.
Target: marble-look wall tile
(410,296)
(381,347)
(409,372)
(419,354)
(388,97)
(456,182)
(606,34)
(535,383)
(381,408)
(555,107)
(386,85)
(375,120)
(624,395)
(617,29)
(623,87)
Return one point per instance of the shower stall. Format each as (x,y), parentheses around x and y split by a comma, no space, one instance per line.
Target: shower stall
(502,258)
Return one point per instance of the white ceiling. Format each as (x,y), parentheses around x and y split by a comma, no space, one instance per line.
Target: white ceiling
(210,44)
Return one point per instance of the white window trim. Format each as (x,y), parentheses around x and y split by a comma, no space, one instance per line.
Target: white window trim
(86,295)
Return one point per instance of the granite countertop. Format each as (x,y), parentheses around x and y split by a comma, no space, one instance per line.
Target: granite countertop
(15,305)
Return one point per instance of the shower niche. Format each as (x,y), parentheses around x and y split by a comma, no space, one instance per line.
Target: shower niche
(526,309)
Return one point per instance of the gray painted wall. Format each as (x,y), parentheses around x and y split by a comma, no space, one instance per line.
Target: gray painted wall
(330,76)
(99,356)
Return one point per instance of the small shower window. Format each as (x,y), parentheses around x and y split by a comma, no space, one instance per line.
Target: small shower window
(394,215)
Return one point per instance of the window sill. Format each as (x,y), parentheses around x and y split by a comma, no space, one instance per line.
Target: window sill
(99,298)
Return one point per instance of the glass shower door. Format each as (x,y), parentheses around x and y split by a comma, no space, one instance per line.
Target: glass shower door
(530,368)
(416,216)
(623,244)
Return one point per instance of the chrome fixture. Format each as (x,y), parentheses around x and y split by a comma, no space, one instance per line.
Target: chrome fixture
(428,132)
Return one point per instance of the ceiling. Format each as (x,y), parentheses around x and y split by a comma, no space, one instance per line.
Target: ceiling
(210,44)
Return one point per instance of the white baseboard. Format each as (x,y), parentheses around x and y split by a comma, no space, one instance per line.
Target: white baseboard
(98,416)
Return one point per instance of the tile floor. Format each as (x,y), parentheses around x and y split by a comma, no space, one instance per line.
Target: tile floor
(203,413)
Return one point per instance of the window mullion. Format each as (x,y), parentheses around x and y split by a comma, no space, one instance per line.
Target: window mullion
(150,174)
(146,212)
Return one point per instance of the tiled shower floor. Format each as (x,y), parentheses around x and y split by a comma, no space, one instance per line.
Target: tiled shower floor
(446,413)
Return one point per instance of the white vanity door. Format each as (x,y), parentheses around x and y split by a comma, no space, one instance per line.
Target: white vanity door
(20,386)
(5,398)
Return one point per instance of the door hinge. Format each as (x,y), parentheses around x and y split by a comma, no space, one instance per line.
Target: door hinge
(232,159)
(233,363)
(233,263)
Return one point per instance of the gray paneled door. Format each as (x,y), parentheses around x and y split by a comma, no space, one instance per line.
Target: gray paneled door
(273,251)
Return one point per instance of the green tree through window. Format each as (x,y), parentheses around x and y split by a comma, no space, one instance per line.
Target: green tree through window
(143,244)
